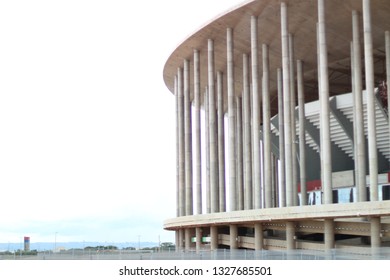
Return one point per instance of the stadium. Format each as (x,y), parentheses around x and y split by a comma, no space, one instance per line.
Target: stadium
(282,127)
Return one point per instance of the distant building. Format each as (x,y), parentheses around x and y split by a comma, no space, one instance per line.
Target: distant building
(26,243)
(303,86)
(59,249)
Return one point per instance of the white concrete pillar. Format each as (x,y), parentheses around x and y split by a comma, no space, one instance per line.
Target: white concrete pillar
(213,131)
(325,111)
(177,240)
(286,107)
(275,181)
(290,235)
(319,100)
(370,87)
(248,189)
(293,119)
(221,144)
(375,232)
(198,239)
(387,40)
(233,234)
(329,237)
(207,151)
(232,121)
(187,239)
(355,149)
(360,157)
(188,140)
(256,114)
(259,237)
(177,149)
(214,238)
(267,130)
(197,136)
(302,132)
(180,244)
(239,153)
(282,156)
(182,181)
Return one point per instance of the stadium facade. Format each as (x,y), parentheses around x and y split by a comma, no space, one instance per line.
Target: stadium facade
(283,132)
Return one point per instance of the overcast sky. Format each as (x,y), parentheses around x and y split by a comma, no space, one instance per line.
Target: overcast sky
(87,126)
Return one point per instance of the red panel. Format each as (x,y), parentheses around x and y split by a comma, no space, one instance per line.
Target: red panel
(313,185)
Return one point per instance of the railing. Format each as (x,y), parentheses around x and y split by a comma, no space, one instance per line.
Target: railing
(364,253)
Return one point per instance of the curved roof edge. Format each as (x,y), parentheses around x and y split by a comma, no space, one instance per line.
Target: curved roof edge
(202,27)
(302,18)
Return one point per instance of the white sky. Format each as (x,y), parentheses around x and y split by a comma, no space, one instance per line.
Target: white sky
(87,126)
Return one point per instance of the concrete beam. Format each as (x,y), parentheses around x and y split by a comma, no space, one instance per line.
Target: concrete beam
(295,213)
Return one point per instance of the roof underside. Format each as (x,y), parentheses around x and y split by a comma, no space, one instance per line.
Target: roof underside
(302,18)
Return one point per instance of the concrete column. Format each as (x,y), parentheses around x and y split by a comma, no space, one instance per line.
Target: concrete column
(286,107)
(282,156)
(179,245)
(207,151)
(248,189)
(256,113)
(325,112)
(214,238)
(360,157)
(329,240)
(275,181)
(239,153)
(221,144)
(233,237)
(387,40)
(213,131)
(293,119)
(267,130)
(197,136)
(187,241)
(375,232)
(177,240)
(232,120)
(259,237)
(370,86)
(198,238)
(177,150)
(355,149)
(302,132)
(319,99)
(290,235)
(182,181)
(188,140)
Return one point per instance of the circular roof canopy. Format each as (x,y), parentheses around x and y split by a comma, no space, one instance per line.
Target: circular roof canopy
(302,22)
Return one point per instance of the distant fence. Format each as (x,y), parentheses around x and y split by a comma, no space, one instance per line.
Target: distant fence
(221,254)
